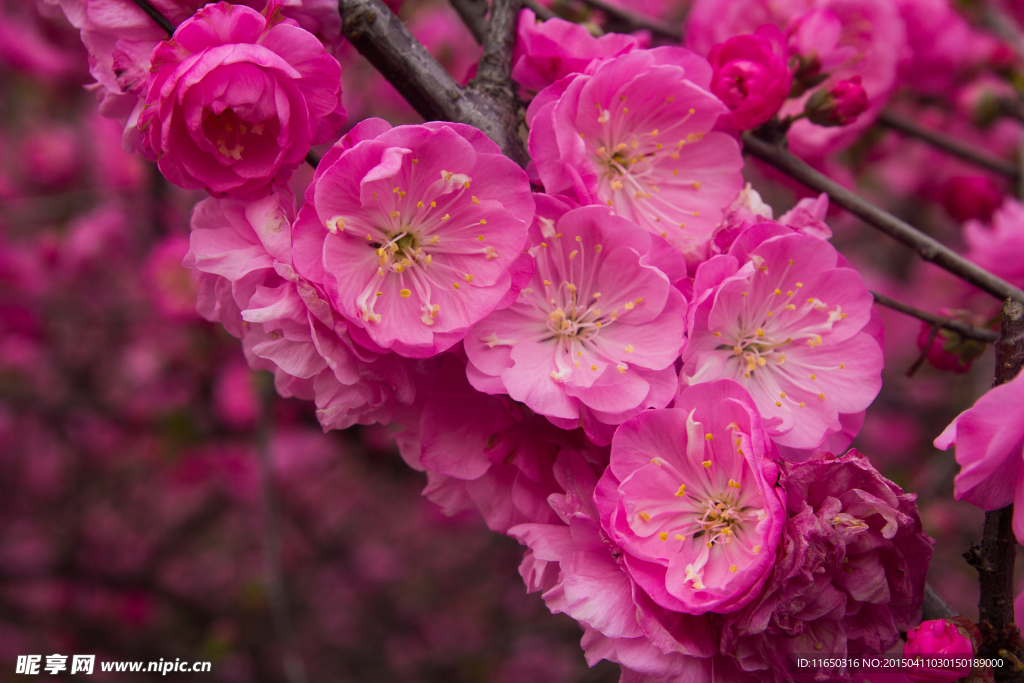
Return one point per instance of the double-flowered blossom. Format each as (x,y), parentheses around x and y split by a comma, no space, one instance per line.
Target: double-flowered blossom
(236,98)
(636,133)
(989,440)
(241,256)
(944,640)
(783,314)
(690,498)
(595,335)
(751,75)
(547,51)
(416,233)
(849,575)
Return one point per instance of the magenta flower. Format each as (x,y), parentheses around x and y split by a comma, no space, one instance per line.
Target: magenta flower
(751,75)
(692,500)
(596,333)
(236,98)
(971,197)
(636,134)
(241,255)
(581,571)
(784,316)
(989,440)
(850,573)
(551,50)
(938,639)
(988,245)
(415,233)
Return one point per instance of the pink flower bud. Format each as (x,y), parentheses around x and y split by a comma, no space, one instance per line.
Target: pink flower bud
(938,639)
(839,105)
(970,197)
(751,76)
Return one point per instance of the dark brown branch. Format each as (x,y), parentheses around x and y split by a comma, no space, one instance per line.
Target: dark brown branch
(495,68)
(542,12)
(474,15)
(1012,107)
(949,144)
(994,558)
(382,38)
(154,14)
(928,248)
(312,158)
(964,330)
(634,21)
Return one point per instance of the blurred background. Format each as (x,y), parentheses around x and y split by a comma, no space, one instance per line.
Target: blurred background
(144,514)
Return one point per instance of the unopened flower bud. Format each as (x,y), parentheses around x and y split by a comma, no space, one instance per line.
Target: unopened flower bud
(940,640)
(839,105)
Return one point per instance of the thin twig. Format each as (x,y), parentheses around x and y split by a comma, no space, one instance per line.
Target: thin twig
(383,39)
(636,21)
(542,12)
(312,158)
(154,14)
(963,329)
(474,15)
(949,144)
(935,607)
(928,248)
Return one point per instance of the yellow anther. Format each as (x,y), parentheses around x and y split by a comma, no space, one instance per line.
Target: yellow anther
(757,549)
(483,221)
(760,332)
(622,367)
(778,405)
(707,464)
(680,537)
(435,239)
(709,544)
(821,396)
(778,292)
(709,437)
(663,536)
(813,377)
(380,293)
(593,367)
(468,277)
(799,284)
(433,205)
(456,285)
(783,394)
(628,306)
(644,516)
(395,214)
(762,361)
(573,254)
(404,293)
(802,404)
(682,491)
(629,348)
(475,200)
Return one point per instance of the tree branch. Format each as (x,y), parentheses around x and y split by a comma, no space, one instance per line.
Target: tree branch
(495,68)
(542,12)
(949,144)
(994,558)
(154,14)
(385,41)
(474,15)
(963,329)
(928,248)
(634,21)
(935,606)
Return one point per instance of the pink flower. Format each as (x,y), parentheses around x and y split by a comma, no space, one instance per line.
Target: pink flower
(692,500)
(581,571)
(416,233)
(241,254)
(235,400)
(485,452)
(636,133)
(837,105)
(967,197)
(989,440)
(832,40)
(782,314)
(751,76)
(548,51)
(596,333)
(938,639)
(236,98)
(850,572)
(989,245)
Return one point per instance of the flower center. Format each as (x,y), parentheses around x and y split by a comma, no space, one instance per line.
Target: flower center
(226,131)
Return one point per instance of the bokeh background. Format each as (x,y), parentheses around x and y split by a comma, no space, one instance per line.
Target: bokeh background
(146,509)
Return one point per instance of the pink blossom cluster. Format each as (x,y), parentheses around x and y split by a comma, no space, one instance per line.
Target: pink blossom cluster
(616,355)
